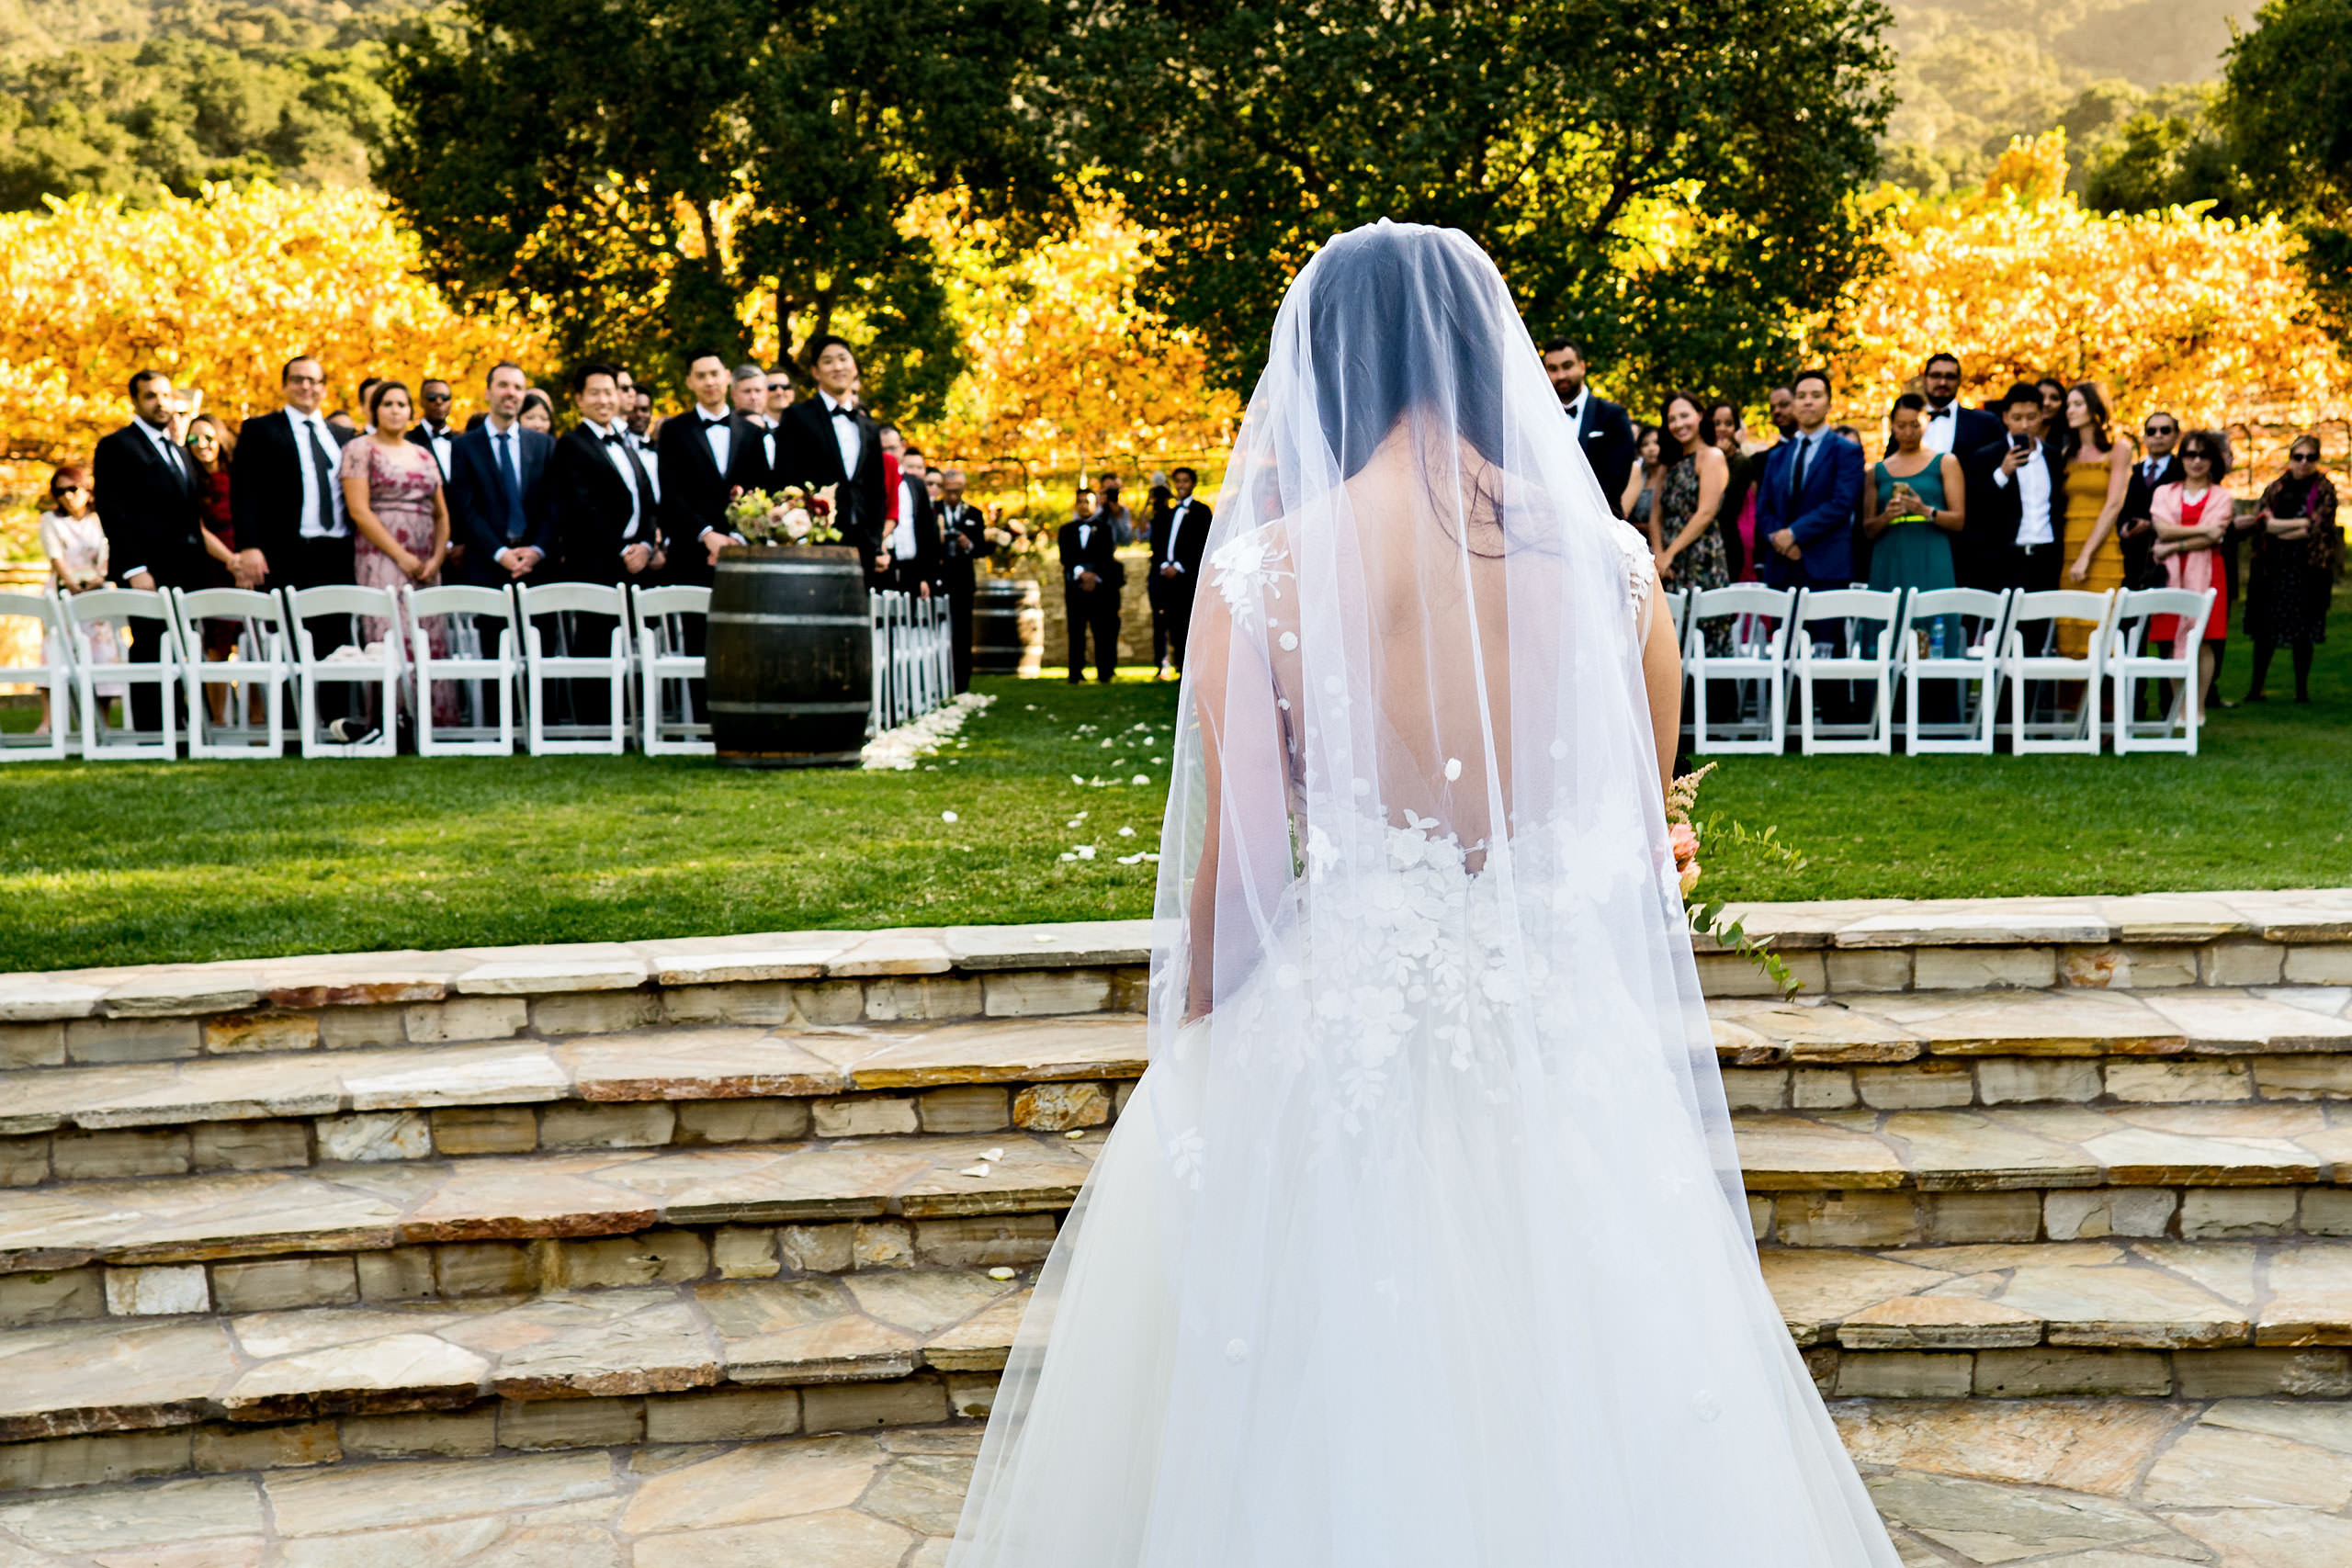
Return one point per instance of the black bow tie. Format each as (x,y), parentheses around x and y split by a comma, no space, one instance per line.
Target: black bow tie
(721,422)
(1939,414)
(843,410)
(612,440)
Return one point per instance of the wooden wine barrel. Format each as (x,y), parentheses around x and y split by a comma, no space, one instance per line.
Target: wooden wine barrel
(1008,626)
(791,656)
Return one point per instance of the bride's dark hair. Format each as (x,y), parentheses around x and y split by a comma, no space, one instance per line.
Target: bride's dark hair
(1385,329)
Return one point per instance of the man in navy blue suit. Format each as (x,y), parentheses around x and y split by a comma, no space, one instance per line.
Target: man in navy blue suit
(496,506)
(1805,506)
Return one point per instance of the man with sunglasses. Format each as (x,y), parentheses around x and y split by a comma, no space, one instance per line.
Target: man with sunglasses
(2157,466)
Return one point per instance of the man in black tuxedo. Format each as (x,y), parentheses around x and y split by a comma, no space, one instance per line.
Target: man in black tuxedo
(497,500)
(758,465)
(285,503)
(2158,466)
(1092,578)
(1950,428)
(144,485)
(705,453)
(963,539)
(433,430)
(604,516)
(1604,432)
(2016,502)
(913,540)
(827,440)
(1176,559)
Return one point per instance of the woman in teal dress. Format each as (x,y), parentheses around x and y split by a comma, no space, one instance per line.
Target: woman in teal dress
(1915,501)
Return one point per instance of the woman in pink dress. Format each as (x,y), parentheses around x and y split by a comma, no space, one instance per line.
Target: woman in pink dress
(392,489)
(2192,517)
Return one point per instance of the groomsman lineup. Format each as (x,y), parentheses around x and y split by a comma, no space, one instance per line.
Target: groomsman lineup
(2039,488)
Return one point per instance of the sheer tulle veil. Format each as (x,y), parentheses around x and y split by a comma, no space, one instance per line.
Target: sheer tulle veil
(1423,1239)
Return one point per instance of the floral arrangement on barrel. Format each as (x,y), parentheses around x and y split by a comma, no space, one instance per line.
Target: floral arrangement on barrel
(791,517)
(1706,916)
(1008,537)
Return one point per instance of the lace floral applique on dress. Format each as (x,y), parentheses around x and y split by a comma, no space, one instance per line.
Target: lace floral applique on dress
(1246,568)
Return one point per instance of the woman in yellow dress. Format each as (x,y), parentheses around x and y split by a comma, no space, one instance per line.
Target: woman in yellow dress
(2098,473)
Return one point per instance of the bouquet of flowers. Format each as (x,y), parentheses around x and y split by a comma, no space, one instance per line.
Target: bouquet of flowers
(791,517)
(1008,537)
(1706,916)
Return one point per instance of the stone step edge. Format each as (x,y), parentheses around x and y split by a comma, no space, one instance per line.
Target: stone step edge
(956,1367)
(1865,1034)
(2297,919)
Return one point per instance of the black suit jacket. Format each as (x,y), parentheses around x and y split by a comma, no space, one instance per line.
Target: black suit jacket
(1975,430)
(1605,435)
(694,493)
(2135,529)
(444,453)
(807,453)
(1191,540)
(478,517)
(1095,555)
(963,539)
(588,511)
(266,489)
(1996,510)
(147,506)
(926,566)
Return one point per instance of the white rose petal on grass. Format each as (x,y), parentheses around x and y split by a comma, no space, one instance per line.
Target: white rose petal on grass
(1078,779)
(1123,833)
(948,816)
(1141,779)
(1000,1272)
(1453,769)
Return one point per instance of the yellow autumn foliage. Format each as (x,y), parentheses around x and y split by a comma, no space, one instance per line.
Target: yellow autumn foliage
(217,290)
(2207,317)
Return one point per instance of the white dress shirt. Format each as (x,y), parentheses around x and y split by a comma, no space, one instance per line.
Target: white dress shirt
(1575,410)
(1085,531)
(1942,425)
(903,537)
(616,453)
(2033,497)
(437,440)
(720,437)
(1176,531)
(314,526)
(845,436)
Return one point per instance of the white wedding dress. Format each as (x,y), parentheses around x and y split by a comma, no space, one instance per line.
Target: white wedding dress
(1422,1241)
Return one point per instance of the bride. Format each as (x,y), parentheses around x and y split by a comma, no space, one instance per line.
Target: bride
(1423,1240)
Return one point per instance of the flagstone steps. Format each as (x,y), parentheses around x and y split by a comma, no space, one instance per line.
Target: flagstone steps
(2081,1483)
(446,1228)
(762,1358)
(654,1087)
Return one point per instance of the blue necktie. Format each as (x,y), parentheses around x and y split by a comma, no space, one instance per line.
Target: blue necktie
(512,485)
(1805,454)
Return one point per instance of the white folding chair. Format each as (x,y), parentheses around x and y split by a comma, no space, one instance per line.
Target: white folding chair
(1760,618)
(545,659)
(126,607)
(2032,654)
(378,665)
(52,671)
(264,662)
(463,609)
(1865,620)
(1952,636)
(2129,663)
(657,619)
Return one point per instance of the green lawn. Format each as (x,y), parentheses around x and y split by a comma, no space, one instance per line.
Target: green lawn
(125,863)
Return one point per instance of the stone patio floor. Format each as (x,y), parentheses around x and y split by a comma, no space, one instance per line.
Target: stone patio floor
(2054,1483)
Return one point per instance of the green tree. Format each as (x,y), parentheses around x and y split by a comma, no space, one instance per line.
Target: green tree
(644,175)
(1670,183)
(2286,105)
(2154,160)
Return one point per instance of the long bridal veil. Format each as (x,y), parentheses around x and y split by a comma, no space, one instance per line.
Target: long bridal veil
(1423,1239)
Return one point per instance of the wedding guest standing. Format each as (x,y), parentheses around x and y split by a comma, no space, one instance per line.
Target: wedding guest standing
(1112,511)
(2296,552)
(2014,530)
(538,413)
(147,499)
(1692,478)
(706,452)
(1604,432)
(964,538)
(603,518)
(827,440)
(1735,520)
(1914,506)
(2155,467)
(2192,520)
(1641,479)
(1949,427)
(1176,550)
(283,493)
(75,543)
(1092,577)
(431,429)
(496,502)
(1812,488)
(214,448)
(2050,394)
(2097,477)
(913,540)
(391,488)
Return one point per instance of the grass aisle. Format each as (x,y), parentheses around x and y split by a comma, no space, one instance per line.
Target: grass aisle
(144,862)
